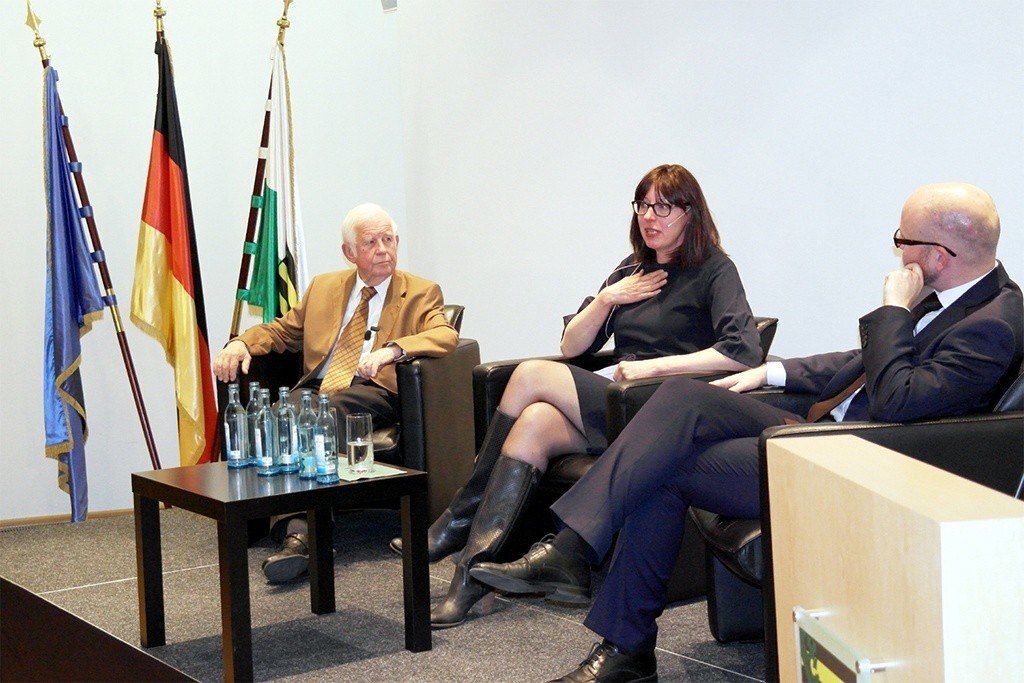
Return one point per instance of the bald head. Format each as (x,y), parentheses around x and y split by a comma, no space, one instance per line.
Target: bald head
(960,216)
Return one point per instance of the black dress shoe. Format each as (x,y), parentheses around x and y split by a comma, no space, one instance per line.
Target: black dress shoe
(542,570)
(609,664)
(290,562)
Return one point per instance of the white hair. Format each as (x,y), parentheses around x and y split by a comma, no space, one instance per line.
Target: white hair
(360,216)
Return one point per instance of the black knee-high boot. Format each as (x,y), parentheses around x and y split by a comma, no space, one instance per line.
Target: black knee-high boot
(511,486)
(449,532)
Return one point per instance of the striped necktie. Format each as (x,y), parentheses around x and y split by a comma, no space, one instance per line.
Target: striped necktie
(343,364)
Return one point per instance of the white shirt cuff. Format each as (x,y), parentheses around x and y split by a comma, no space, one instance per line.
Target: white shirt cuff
(776,374)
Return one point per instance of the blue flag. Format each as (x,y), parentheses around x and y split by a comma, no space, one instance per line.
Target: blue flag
(73,301)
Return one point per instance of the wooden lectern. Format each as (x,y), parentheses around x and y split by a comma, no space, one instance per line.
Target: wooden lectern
(919,572)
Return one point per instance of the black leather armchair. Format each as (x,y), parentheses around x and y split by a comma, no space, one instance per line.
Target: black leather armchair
(987,449)
(624,399)
(435,429)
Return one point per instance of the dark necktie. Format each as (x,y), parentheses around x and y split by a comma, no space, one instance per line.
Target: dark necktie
(928,304)
(858,408)
(342,367)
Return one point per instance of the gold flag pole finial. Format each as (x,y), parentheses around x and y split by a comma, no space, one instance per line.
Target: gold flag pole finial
(33,22)
(283,23)
(159,13)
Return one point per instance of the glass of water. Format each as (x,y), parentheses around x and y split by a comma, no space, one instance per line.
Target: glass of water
(359,439)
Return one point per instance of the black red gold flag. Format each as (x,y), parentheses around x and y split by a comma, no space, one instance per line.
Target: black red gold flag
(167,295)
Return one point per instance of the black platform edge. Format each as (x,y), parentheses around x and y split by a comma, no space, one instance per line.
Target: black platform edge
(39,641)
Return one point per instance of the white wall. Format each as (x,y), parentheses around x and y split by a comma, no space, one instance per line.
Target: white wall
(529,124)
(507,139)
(343,66)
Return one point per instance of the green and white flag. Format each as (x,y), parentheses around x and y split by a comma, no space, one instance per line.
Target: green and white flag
(279,275)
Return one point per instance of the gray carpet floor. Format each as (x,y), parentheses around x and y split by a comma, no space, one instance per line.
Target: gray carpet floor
(89,570)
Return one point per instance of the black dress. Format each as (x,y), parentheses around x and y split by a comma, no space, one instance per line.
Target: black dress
(698,308)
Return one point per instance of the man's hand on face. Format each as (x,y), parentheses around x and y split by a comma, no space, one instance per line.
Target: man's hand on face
(901,287)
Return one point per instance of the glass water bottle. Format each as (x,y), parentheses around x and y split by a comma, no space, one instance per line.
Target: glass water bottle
(236,430)
(306,424)
(287,433)
(266,449)
(325,439)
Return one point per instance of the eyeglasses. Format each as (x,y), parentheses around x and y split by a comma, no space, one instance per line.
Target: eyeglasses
(661,209)
(901,242)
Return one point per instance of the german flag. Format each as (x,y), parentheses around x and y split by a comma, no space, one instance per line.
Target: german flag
(167,295)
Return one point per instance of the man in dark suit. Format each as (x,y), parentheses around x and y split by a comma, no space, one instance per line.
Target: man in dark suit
(950,353)
(351,326)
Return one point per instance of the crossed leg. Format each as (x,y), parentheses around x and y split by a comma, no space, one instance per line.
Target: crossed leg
(542,395)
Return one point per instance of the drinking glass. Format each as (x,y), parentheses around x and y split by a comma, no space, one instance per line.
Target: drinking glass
(359,440)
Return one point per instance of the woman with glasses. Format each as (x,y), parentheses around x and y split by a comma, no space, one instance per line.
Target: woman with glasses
(676,304)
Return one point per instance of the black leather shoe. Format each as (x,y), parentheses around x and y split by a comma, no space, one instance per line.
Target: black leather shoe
(542,570)
(609,664)
(290,562)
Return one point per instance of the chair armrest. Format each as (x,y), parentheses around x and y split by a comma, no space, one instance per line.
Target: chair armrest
(435,400)
(986,449)
(491,378)
(791,401)
(766,328)
(623,400)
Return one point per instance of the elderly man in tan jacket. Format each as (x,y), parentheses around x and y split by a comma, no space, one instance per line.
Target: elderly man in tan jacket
(351,326)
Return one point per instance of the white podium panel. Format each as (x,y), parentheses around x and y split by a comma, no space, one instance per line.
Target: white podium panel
(905,565)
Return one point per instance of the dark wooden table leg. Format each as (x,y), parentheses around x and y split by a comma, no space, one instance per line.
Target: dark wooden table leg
(321,560)
(149,568)
(415,572)
(235,613)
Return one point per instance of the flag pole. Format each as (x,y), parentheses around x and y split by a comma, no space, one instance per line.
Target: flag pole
(159,13)
(257,190)
(94,237)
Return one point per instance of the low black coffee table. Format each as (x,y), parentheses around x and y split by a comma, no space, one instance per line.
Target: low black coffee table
(232,498)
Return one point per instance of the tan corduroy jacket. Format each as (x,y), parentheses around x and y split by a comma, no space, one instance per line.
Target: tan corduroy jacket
(412,317)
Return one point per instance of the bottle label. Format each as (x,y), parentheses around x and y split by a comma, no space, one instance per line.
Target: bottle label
(287,455)
(320,451)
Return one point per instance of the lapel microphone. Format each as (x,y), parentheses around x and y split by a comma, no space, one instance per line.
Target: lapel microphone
(369,333)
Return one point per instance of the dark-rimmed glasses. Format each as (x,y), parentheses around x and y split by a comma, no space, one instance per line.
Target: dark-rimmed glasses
(661,209)
(900,242)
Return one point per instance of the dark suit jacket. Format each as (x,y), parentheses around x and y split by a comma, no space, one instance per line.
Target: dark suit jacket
(412,317)
(962,362)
